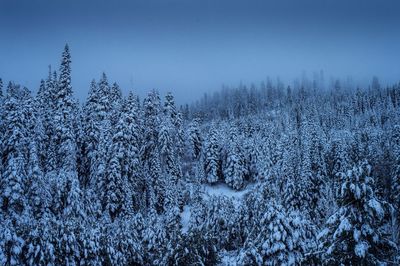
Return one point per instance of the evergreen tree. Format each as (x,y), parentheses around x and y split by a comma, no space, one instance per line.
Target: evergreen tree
(1,88)
(355,234)
(14,150)
(37,191)
(395,174)
(195,141)
(296,176)
(123,243)
(92,128)
(64,117)
(167,151)
(11,244)
(132,120)
(234,171)
(281,239)
(116,188)
(151,124)
(212,165)
(116,103)
(39,246)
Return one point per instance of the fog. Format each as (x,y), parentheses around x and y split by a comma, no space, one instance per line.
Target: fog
(192,47)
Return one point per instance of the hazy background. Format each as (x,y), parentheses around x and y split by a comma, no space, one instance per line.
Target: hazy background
(190,47)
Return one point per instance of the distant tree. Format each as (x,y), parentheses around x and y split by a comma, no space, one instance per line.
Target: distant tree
(375,83)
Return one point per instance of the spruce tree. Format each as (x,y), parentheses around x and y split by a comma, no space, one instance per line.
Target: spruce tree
(151,107)
(64,117)
(14,150)
(167,150)
(395,175)
(132,118)
(212,164)
(234,170)
(354,234)
(281,238)
(92,127)
(1,88)
(195,140)
(116,103)
(116,188)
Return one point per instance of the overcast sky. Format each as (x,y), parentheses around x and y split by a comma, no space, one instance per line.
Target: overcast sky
(190,47)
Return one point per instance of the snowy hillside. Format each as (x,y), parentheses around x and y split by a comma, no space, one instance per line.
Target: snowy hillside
(271,175)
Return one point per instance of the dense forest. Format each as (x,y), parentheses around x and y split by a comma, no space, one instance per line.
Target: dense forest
(252,175)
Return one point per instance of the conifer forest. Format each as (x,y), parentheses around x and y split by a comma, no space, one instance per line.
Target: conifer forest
(265,174)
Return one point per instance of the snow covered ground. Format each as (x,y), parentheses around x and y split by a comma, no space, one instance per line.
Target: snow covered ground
(225,190)
(185,218)
(218,190)
(228,258)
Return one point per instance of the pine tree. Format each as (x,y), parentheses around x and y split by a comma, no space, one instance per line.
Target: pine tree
(1,88)
(212,165)
(150,157)
(395,174)
(169,108)
(14,150)
(151,124)
(123,242)
(355,234)
(180,137)
(295,183)
(70,223)
(318,178)
(116,188)
(64,117)
(132,118)
(38,194)
(39,246)
(167,151)
(103,108)
(92,128)
(42,98)
(47,110)
(195,141)
(12,186)
(234,171)
(11,244)
(280,239)
(116,103)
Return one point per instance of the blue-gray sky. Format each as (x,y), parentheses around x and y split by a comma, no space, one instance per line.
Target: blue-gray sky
(190,47)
